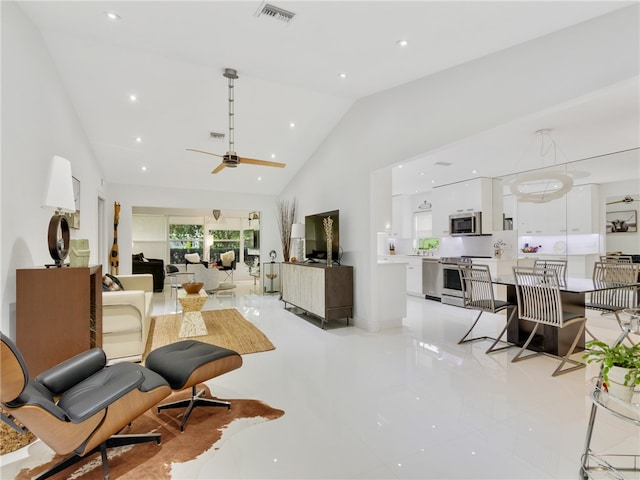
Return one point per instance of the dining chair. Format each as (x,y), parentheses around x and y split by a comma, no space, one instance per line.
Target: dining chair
(477,294)
(558,266)
(616,299)
(539,301)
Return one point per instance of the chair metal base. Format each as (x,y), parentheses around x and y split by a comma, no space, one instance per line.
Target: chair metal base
(558,371)
(195,400)
(492,348)
(114,441)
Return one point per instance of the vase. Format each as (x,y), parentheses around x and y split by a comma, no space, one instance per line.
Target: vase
(329,254)
(616,386)
(79,252)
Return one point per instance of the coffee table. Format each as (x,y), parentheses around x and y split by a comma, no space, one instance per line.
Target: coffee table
(192,321)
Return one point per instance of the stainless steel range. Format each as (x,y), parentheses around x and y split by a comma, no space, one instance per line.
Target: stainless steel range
(451,285)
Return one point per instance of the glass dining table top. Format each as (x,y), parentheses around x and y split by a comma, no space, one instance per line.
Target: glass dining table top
(573,284)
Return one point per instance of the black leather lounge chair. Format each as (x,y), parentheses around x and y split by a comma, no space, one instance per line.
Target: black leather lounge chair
(78,406)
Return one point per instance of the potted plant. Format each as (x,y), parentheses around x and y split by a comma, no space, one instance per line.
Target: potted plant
(620,367)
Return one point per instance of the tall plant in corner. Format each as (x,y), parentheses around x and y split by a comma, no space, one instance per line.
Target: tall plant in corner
(286,218)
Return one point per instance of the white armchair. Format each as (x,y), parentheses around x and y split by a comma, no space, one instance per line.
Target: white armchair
(126,318)
(208,276)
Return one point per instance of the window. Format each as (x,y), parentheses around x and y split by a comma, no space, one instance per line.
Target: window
(183,239)
(223,241)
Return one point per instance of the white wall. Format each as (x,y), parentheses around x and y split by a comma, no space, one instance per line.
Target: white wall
(38,121)
(411,119)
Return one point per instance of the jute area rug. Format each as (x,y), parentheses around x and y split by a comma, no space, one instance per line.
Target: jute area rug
(203,431)
(226,328)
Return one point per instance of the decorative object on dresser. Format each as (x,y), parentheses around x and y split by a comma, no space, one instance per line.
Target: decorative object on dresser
(324,292)
(297,234)
(74,218)
(328,231)
(58,314)
(79,253)
(286,218)
(59,197)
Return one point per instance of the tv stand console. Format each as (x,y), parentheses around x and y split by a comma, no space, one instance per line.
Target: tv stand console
(326,292)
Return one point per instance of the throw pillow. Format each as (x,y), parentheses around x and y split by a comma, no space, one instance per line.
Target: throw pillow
(192,257)
(227,258)
(113,284)
(138,257)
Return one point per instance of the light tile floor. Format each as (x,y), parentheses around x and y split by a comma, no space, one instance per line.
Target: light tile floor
(403,403)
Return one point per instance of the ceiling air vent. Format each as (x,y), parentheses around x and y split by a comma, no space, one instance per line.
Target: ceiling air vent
(216,135)
(443,164)
(274,12)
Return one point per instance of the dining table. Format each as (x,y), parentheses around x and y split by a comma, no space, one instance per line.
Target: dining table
(553,340)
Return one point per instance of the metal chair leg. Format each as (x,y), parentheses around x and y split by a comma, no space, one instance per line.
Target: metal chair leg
(492,348)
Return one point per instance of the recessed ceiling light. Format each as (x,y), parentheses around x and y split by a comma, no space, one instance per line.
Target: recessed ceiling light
(342,75)
(112,16)
(474,171)
(144,169)
(292,124)
(402,43)
(399,166)
(259,179)
(133,97)
(273,155)
(138,139)
(421,173)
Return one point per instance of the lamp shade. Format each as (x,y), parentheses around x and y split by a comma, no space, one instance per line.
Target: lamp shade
(59,192)
(297,230)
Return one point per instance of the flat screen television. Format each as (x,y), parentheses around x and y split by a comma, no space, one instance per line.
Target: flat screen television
(316,240)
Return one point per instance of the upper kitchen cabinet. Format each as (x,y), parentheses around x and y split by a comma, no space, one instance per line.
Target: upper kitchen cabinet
(477,195)
(575,213)
(402,216)
(583,209)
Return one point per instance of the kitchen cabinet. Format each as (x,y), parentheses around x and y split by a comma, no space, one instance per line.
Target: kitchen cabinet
(583,209)
(476,195)
(414,276)
(575,213)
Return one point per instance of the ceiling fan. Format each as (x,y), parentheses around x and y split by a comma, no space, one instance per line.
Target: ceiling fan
(231,159)
(626,199)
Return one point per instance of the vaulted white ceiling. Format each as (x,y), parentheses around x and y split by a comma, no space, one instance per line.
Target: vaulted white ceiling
(171,55)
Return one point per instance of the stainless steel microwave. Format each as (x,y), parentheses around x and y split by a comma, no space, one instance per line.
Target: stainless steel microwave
(469,223)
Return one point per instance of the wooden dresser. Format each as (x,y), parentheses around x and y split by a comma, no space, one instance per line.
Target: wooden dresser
(58,314)
(326,292)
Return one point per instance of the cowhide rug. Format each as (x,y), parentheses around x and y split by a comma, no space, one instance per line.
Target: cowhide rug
(205,427)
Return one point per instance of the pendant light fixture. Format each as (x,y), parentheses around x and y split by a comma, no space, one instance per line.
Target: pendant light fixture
(542,186)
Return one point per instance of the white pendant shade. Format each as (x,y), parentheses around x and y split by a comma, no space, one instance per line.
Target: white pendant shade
(59,193)
(541,187)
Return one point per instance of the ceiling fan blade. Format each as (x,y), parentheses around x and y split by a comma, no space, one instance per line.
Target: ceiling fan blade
(264,163)
(218,168)
(202,151)
(626,199)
